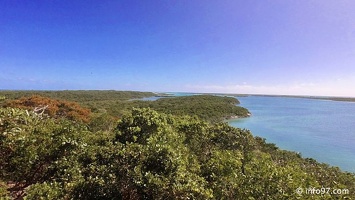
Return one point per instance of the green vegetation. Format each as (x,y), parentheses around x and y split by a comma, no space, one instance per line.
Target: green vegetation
(207,107)
(152,155)
(79,96)
(119,103)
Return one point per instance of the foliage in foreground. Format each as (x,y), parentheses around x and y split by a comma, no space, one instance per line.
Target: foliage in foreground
(150,155)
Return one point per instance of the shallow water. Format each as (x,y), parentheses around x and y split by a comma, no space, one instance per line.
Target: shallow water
(320,129)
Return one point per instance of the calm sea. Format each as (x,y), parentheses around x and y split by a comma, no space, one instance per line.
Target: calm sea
(320,129)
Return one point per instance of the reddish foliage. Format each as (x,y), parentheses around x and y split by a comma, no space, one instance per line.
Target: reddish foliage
(56,108)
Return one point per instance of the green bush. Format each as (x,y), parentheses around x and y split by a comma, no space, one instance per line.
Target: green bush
(151,155)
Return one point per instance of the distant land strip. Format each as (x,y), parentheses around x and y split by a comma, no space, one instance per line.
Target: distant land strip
(348,99)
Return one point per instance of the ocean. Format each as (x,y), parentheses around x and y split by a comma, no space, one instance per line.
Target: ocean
(319,129)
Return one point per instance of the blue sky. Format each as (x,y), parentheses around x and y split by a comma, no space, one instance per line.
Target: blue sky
(302,47)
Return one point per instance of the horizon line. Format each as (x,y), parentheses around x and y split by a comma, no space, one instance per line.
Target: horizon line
(190,92)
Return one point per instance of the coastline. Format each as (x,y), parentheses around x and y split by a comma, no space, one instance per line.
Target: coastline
(232,117)
(307,129)
(329,98)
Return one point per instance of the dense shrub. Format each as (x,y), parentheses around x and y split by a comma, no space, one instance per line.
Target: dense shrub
(150,155)
(52,107)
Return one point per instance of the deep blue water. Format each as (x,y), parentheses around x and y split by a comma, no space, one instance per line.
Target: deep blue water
(320,129)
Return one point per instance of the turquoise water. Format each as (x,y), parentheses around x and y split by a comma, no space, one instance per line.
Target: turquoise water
(174,94)
(320,129)
(153,98)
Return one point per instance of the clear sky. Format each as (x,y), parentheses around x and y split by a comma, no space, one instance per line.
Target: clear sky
(302,47)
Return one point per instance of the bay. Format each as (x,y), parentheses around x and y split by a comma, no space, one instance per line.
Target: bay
(319,129)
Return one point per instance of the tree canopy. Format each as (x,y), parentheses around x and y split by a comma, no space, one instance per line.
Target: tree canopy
(52,107)
(151,155)
(207,107)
